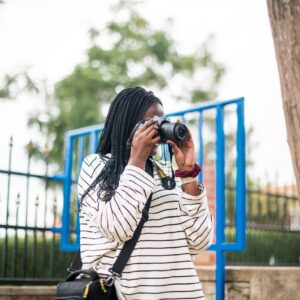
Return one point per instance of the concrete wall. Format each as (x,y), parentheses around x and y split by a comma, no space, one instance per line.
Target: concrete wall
(254,283)
(242,283)
(11,292)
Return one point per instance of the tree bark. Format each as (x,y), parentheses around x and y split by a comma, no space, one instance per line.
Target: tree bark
(284,17)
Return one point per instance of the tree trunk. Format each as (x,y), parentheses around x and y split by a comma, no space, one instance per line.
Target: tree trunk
(285,23)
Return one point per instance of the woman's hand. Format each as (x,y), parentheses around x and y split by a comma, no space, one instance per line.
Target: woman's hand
(184,152)
(143,142)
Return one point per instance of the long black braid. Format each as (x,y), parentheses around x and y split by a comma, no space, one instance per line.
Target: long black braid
(126,110)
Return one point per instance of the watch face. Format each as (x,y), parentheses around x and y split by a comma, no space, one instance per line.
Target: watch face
(168,183)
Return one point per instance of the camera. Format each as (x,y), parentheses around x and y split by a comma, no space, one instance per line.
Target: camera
(168,130)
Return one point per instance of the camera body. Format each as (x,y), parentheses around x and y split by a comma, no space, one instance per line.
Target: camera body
(167,130)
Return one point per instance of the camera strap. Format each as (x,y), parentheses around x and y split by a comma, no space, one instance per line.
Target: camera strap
(129,141)
(167,182)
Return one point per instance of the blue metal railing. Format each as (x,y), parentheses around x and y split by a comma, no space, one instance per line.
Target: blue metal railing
(220,246)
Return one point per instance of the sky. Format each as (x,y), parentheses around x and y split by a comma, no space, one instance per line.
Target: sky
(50,37)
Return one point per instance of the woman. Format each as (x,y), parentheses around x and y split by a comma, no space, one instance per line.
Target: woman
(114,186)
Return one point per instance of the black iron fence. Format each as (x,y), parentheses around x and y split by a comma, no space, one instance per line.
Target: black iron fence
(31,205)
(267,209)
(273,227)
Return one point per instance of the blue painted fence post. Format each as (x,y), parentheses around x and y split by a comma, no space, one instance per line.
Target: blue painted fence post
(220,207)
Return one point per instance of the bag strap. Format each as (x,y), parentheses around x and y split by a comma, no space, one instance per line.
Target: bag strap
(91,273)
(76,264)
(129,245)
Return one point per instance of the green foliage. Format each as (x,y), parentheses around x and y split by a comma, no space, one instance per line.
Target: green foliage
(50,262)
(123,54)
(12,85)
(264,247)
(43,257)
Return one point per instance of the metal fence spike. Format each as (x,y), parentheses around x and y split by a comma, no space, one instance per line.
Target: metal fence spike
(18,200)
(37,199)
(11,141)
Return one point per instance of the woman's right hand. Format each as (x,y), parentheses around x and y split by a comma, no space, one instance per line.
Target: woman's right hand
(142,144)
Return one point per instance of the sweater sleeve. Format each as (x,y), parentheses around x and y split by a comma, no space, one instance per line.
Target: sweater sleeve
(194,215)
(118,218)
(196,221)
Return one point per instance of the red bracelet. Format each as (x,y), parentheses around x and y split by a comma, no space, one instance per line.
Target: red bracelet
(196,170)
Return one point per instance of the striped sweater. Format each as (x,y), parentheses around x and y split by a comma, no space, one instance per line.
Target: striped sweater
(180,226)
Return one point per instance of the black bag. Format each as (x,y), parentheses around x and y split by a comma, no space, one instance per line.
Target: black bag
(91,286)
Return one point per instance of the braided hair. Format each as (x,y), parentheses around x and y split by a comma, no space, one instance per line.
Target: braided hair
(126,110)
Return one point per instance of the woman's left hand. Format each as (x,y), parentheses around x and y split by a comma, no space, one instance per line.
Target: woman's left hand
(184,152)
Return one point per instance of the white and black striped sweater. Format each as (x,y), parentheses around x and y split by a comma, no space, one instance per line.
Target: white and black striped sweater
(179,227)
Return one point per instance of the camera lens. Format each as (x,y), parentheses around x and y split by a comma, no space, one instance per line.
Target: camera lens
(172,131)
(180,131)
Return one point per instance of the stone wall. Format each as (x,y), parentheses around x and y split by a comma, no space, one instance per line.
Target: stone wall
(11,292)
(254,283)
(242,283)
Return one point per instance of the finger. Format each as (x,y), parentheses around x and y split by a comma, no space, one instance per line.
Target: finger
(190,137)
(149,129)
(145,126)
(152,133)
(189,134)
(174,146)
(156,140)
(187,141)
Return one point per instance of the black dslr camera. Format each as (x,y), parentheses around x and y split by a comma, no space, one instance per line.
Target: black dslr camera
(168,130)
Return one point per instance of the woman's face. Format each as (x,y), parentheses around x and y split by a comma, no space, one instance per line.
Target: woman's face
(154,110)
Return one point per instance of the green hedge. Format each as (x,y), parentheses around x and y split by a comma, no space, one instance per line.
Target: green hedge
(50,262)
(42,260)
(284,247)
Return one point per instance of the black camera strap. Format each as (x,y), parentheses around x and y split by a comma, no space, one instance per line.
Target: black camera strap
(129,245)
(167,181)
(171,158)
(129,141)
